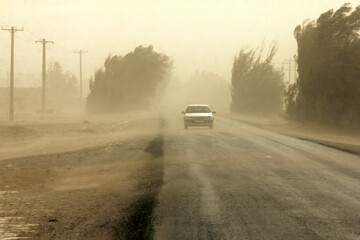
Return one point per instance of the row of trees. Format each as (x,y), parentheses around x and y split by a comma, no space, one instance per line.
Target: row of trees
(257,88)
(130,82)
(327,90)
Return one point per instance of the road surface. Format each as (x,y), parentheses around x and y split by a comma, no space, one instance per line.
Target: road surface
(231,182)
(240,182)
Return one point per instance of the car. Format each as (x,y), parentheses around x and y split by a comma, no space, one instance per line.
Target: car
(198,115)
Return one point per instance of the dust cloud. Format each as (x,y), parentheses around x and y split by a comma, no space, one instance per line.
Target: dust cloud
(201,88)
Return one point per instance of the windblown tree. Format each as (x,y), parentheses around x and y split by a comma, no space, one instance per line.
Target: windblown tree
(257,88)
(128,83)
(328,88)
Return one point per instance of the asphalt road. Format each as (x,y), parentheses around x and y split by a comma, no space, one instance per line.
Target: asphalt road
(241,182)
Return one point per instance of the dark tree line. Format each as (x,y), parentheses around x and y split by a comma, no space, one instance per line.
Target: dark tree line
(256,87)
(327,90)
(128,83)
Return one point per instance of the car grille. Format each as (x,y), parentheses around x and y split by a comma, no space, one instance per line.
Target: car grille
(199,118)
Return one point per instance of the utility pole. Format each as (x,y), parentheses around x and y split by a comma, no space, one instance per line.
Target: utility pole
(12,30)
(44,42)
(295,67)
(290,70)
(80,52)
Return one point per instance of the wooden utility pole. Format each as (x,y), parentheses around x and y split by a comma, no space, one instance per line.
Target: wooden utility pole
(290,70)
(80,52)
(295,67)
(12,30)
(44,42)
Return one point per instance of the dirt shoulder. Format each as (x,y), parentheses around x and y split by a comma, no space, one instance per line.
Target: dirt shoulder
(342,140)
(36,134)
(87,193)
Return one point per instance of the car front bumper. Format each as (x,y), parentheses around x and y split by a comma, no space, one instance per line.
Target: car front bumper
(198,122)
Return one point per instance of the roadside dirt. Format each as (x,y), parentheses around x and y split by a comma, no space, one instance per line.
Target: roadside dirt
(71,190)
(342,140)
(44,134)
(75,195)
(138,221)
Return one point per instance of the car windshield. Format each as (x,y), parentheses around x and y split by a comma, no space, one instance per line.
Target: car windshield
(198,109)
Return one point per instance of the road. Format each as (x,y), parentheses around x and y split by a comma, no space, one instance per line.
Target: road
(241,182)
(235,181)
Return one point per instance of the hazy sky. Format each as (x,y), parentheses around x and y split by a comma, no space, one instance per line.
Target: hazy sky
(198,35)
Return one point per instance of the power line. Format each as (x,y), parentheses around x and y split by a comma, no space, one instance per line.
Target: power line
(25,40)
(64,48)
(12,30)
(32,36)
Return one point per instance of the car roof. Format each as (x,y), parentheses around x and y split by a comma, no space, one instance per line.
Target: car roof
(193,105)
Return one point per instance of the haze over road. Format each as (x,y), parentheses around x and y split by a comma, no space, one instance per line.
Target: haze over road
(240,182)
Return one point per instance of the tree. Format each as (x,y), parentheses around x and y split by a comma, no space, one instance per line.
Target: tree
(327,90)
(62,87)
(130,82)
(257,88)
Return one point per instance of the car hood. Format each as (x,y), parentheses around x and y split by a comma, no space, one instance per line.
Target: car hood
(198,114)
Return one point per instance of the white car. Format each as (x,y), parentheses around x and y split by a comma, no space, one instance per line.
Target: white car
(198,115)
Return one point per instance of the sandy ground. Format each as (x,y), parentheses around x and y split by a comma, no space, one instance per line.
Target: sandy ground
(42,134)
(75,177)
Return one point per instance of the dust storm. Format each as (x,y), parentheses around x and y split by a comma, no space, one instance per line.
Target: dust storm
(179,119)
